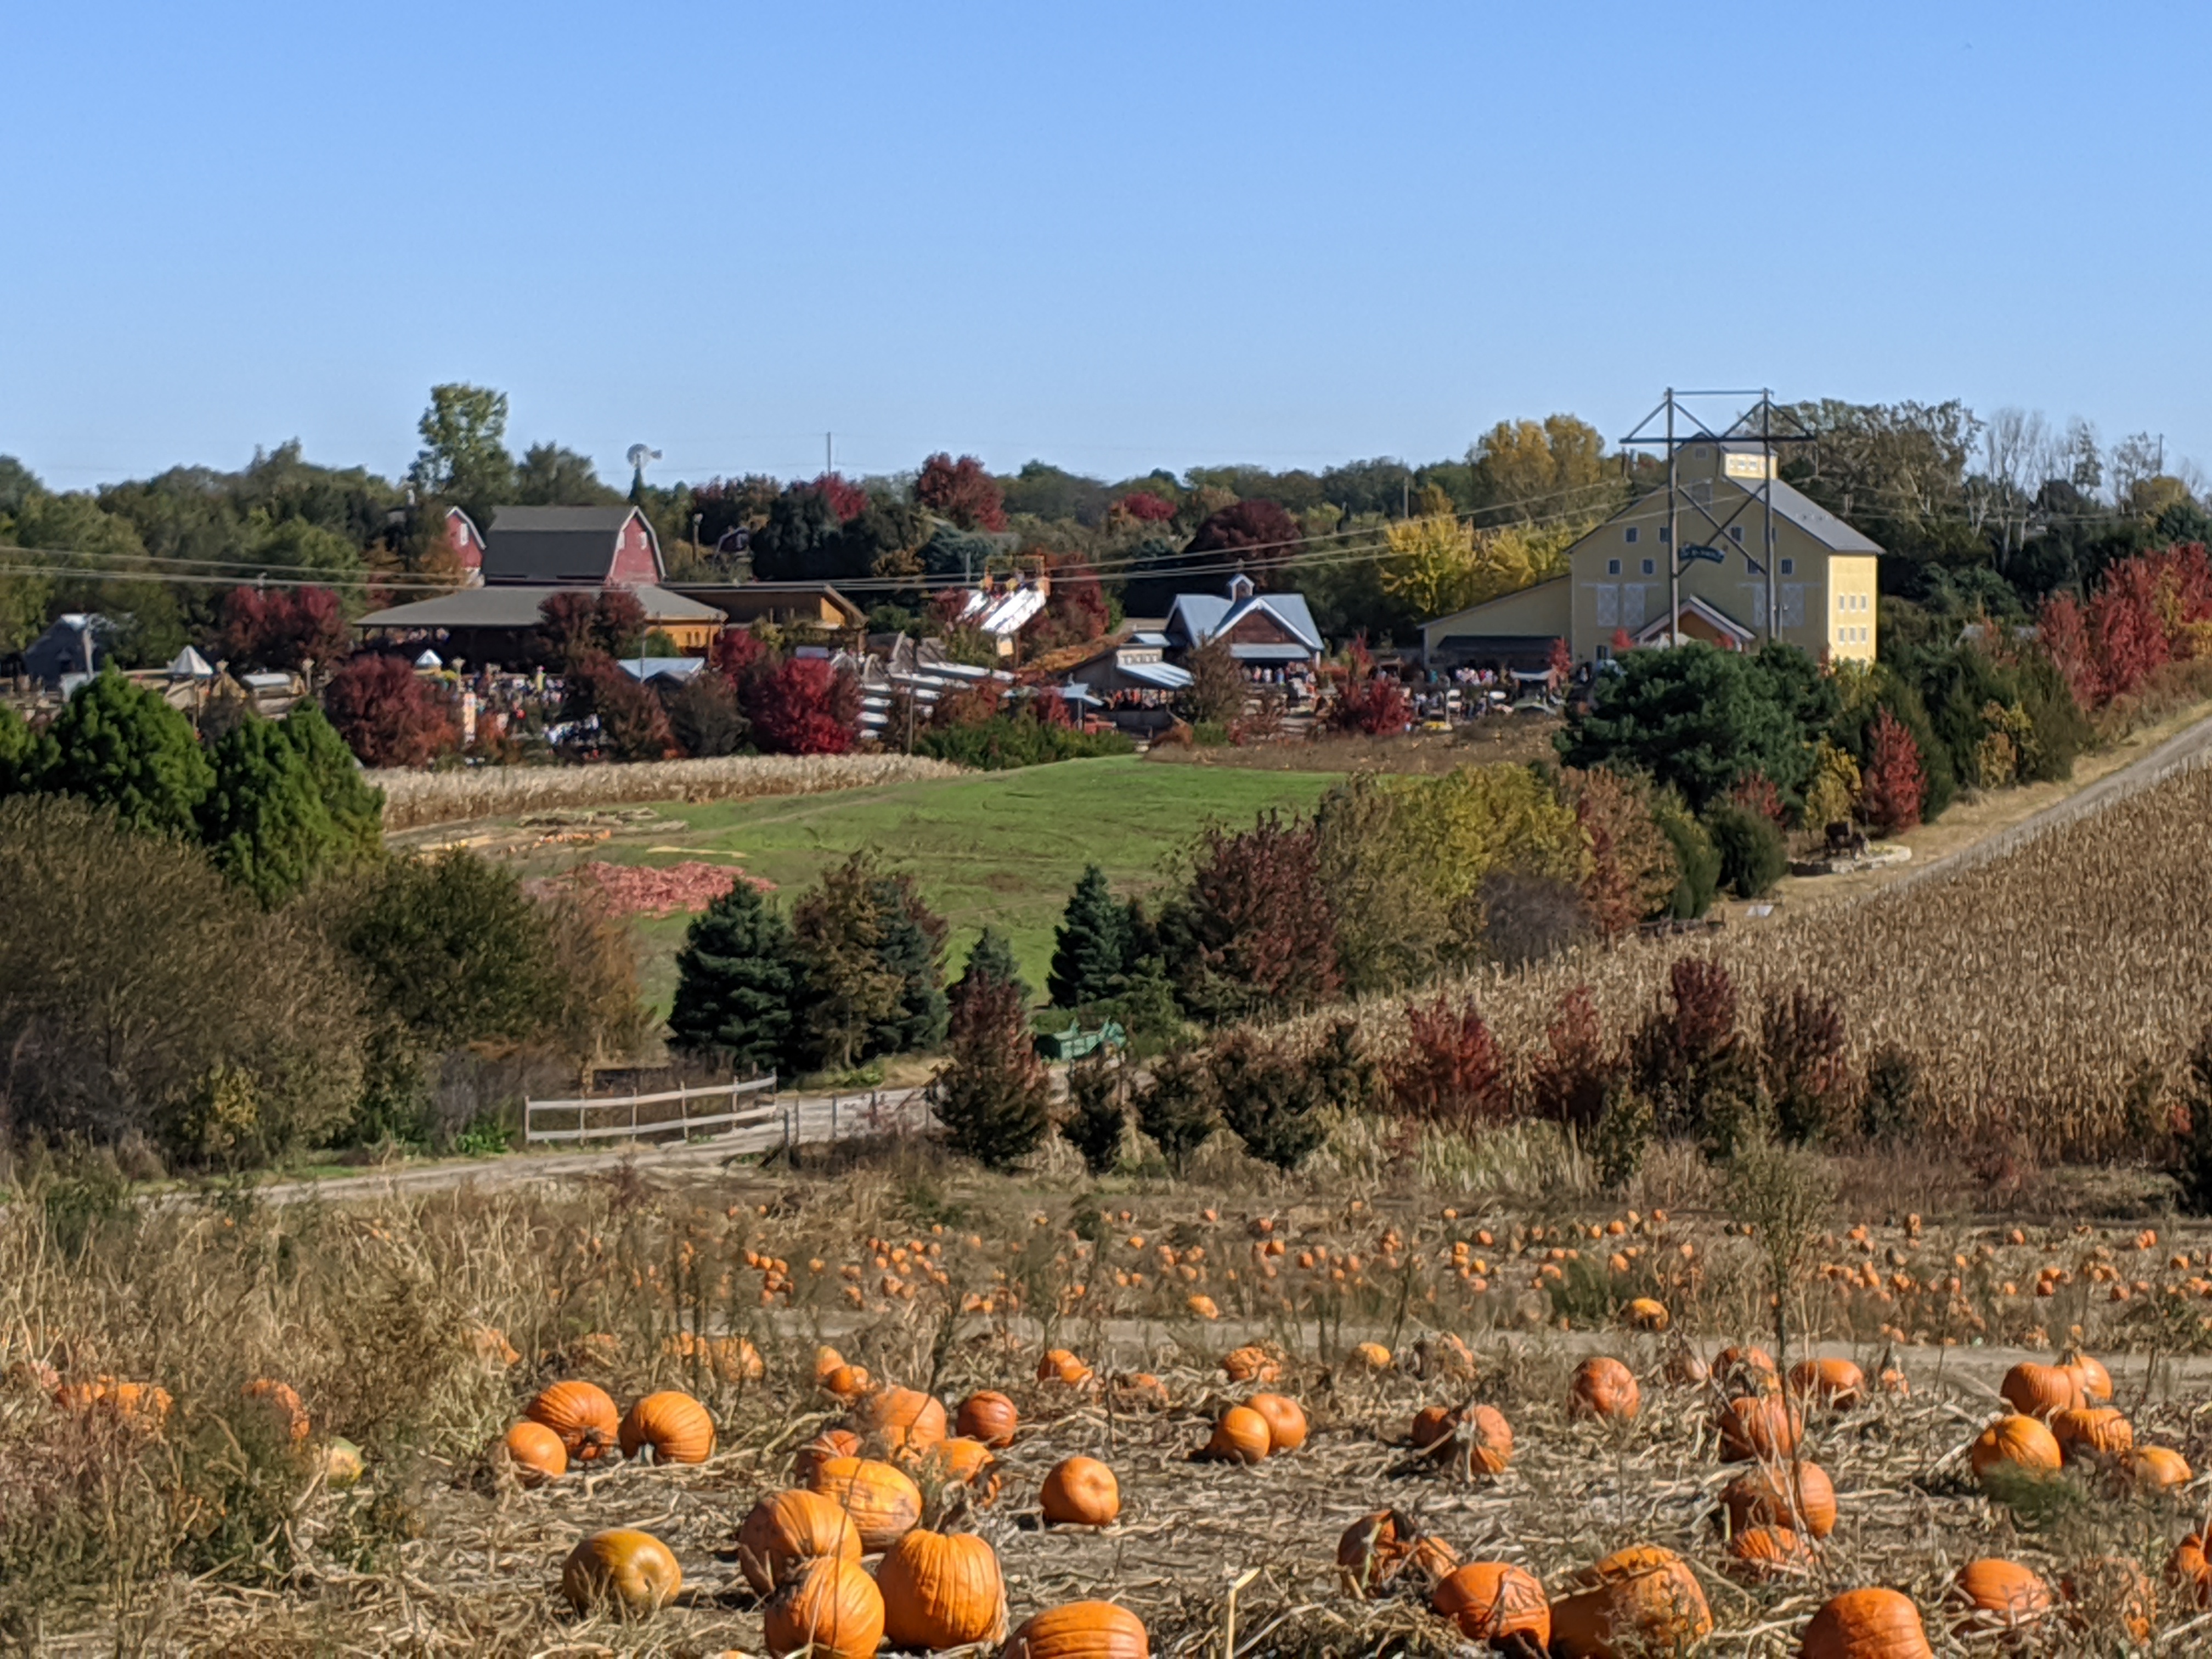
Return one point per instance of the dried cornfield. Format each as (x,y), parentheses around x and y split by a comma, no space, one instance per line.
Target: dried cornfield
(2041,988)
(414,799)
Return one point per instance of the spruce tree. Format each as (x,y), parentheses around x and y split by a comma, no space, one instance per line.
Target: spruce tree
(848,993)
(993,1098)
(1097,1114)
(1176,1106)
(265,822)
(737,979)
(911,948)
(992,958)
(1092,946)
(118,744)
(356,806)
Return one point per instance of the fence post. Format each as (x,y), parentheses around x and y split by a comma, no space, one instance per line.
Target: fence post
(833,1114)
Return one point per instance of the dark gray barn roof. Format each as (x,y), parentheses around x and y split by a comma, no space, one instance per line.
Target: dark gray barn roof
(552,544)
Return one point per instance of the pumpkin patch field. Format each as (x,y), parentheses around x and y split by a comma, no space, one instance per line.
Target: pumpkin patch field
(884,1404)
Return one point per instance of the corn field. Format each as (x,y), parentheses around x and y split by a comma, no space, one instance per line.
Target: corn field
(2048,994)
(414,798)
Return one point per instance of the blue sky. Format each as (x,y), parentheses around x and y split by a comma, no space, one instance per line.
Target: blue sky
(1113,237)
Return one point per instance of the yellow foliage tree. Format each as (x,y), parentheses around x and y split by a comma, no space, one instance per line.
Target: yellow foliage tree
(1542,469)
(1432,564)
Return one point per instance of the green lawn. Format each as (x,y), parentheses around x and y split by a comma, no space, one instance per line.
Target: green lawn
(1000,848)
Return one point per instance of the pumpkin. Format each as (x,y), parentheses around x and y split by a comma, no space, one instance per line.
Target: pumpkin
(883,1503)
(1432,1428)
(1647,1314)
(674,1427)
(830,1442)
(848,1381)
(787,1530)
(534,1453)
(1059,1365)
(1763,1428)
(1140,1391)
(2113,1588)
(581,1414)
(941,1590)
(1241,1434)
(1372,1549)
(826,1360)
(143,1405)
(2041,1391)
(1287,1421)
(2153,1468)
(1081,1491)
(728,1358)
(1249,1365)
(1686,1371)
(2189,1571)
(1374,1356)
(489,1345)
(2092,1434)
(630,1572)
(1833,1384)
(1997,1595)
(1496,1603)
(1488,1438)
(988,1416)
(280,1404)
(1642,1602)
(1080,1630)
(2094,1382)
(2015,1447)
(905,1420)
(967,1462)
(1866,1624)
(832,1609)
(1764,1553)
(1604,1388)
(1744,1366)
(342,1464)
(1798,1496)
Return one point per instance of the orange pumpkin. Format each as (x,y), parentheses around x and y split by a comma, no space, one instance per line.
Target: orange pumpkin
(830,1442)
(967,1461)
(489,1345)
(1866,1624)
(787,1530)
(2094,1382)
(143,1405)
(1763,1428)
(2111,1589)
(832,1609)
(633,1573)
(1604,1388)
(582,1414)
(905,1419)
(281,1405)
(1372,1549)
(1059,1365)
(1140,1391)
(672,1426)
(2092,1434)
(2189,1571)
(989,1416)
(1488,1438)
(1997,1595)
(2040,1391)
(1647,1314)
(1832,1384)
(1432,1428)
(1374,1356)
(1080,1491)
(2154,1468)
(1496,1603)
(941,1590)
(1764,1553)
(534,1453)
(826,1360)
(2013,1448)
(848,1381)
(1798,1496)
(1744,1366)
(1080,1630)
(1250,1364)
(1241,1434)
(1287,1421)
(883,1503)
(1640,1601)
(727,1359)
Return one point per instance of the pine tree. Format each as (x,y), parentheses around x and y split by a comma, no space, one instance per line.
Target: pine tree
(118,744)
(737,980)
(1090,950)
(1176,1105)
(993,1097)
(912,949)
(849,995)
(1269,1097)
(1097,1114)
(265,822)
(992,958)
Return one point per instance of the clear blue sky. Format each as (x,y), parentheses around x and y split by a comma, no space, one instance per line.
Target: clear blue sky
(1113,237)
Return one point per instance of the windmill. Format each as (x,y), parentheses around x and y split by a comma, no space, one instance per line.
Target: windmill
(640,455)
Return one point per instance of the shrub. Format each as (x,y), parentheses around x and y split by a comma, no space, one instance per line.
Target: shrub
(288,805)
(1801,1064)
(1697,860)
(992,1097)
(1006,742)
(1893,785)
(1688,1062)
(1343,1070)
(704,716)
(1451,1072)
(1268,1098)
(1175,1105)
(2193,1171)
(633,726)
(1695,719)
(1752,855)
(388,715)
(118,745)
(1527,918)
(1567,1082)
(1623,1137)
(1889,1107)
(1633,871)
(737,984)
(1097,1116)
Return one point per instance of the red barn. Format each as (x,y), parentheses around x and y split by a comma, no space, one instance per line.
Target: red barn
(602,546)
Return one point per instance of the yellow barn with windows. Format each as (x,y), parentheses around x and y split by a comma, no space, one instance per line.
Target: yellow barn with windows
(1736,523)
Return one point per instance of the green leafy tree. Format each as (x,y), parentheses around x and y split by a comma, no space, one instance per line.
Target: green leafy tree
(452,950)
(993,1098)
(464,456)
(1693,717)
(552,475)
(1090,950)
(118,744)
(19,751)
(738,980)
(992,958)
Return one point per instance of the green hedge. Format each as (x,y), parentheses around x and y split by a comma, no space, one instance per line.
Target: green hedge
(1005,742)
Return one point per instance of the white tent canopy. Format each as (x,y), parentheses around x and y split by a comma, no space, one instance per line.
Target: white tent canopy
(190,665)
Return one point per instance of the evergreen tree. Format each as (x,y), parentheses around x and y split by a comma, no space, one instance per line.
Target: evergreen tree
(118,744)
(356,806)
(1270,1098)
(1092,946)
(737,980)
(849,995)
(912,950)
(19,752)
(1097,1114)
(265,822)
(1176,1105)
(993,1098)
(992,958)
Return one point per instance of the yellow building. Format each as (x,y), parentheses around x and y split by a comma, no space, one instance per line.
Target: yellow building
(1735,523)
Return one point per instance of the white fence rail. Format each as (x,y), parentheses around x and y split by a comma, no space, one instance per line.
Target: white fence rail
(615,1117)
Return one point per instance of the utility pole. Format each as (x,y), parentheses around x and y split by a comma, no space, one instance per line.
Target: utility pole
(828,453)
(1768,560)
(1674,537)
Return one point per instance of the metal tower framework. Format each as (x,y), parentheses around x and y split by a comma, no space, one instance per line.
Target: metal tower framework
(1676,421)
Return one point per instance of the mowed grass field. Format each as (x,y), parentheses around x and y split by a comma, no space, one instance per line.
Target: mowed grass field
(1002,849)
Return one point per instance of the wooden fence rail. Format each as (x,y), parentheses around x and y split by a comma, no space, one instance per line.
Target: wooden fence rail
(618,1115)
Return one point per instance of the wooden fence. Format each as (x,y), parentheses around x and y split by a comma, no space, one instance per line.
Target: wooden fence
(616,1117)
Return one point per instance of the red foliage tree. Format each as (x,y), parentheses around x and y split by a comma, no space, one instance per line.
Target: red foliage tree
(1560,660)
(1259,533)
(388,715)
(971,705)
(1047,708)
(1145,507)
(2063,627)
(1892,785)
(2145,613)
(1254,931)
(1076,611)
(1370,703)
(1452,1071)
(1755,791)
(735,653)
(846,499)
(1630,870)
(1568,1082)
(804,706)
(281,627)
(633,720)
(1622,642)
(962,491)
